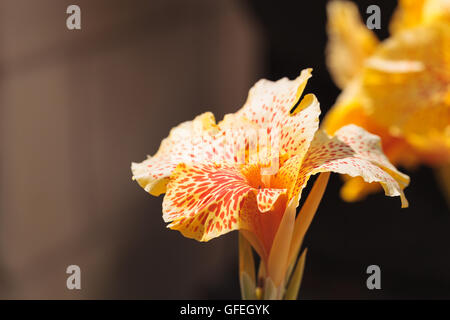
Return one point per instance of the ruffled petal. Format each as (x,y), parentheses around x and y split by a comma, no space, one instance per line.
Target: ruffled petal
(269,99)
(355,152)
(290,123)
(348,110)
(186,143)
(350,42)
(267,197)
(198,141)
(368,146)
(436,11)
(203,200)
(406,89)
(298,128)
(268,109)
(411,13)
(408,14)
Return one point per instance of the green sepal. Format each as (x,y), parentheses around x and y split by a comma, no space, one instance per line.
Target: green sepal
(246,269)
(248,288)
(296,279)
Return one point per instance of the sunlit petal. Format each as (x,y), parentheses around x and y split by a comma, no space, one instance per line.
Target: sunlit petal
(359,155)
(409,91)
(411,13)
(350,41)
(203,201)
(277,107)
(184,144)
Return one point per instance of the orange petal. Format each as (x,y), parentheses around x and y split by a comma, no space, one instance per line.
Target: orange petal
(266,198)
(350,41)
(261,226)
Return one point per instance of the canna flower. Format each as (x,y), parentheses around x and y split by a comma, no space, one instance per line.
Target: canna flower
(214,184)
(398,89)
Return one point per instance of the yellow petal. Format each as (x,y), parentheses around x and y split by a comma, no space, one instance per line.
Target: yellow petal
(350,42)
(412,13)
(348,109)
(409,101)
(436,11)
(356,188)
(408,14)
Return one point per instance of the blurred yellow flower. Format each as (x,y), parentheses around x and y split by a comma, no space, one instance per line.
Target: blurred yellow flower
(398,89)
(214,184)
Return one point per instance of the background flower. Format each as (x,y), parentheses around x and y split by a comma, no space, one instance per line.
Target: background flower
(399,88)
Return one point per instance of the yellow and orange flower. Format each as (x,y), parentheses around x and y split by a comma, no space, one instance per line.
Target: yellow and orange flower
(210,192)
(398,89)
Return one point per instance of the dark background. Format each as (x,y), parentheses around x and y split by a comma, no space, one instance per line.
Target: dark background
(78,106)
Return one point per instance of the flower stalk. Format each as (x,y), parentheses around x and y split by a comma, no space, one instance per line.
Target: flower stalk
(276,280)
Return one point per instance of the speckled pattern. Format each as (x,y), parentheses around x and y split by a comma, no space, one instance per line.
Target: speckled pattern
(210,191)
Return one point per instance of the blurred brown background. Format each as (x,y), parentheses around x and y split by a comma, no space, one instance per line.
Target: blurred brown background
(76,107)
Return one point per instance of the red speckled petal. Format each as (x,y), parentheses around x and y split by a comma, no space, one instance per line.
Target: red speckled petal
(267,99)
(368,146)
(286,177)
(359,155)
(202,141)
(298,129)
(270,104)
(196,141)
(266,198)
(203,200)
(188,142)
